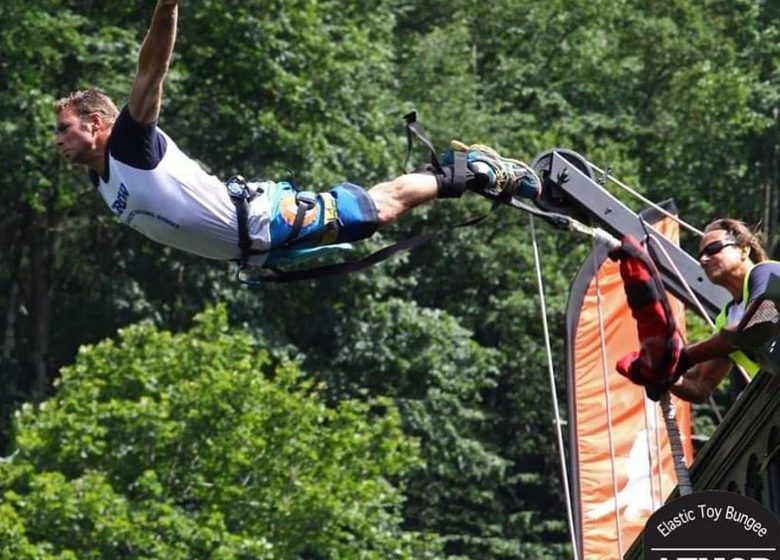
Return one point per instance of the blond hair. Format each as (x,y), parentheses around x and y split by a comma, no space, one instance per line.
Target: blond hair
(86,102)
(742,236)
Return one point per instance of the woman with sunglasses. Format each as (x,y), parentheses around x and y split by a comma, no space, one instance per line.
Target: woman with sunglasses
(731,256)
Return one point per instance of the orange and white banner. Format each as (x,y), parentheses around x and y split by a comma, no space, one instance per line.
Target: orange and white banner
(622,466)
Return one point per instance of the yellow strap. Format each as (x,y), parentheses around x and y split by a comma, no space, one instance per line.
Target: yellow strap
(330,215)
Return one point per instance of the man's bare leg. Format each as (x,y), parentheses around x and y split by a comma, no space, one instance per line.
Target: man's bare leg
(483,168)
(394,198)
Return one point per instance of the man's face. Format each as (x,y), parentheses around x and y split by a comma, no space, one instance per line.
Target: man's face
(75,138)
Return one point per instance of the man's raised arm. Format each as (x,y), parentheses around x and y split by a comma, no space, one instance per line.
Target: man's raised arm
(153,62)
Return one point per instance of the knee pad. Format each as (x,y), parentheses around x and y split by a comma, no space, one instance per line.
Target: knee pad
(356,212)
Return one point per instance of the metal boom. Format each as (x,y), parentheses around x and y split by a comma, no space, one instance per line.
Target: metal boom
(567,174)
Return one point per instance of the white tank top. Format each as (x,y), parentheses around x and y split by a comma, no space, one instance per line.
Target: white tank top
(178,204)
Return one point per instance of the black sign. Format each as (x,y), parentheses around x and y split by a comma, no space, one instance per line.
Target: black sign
(712,526)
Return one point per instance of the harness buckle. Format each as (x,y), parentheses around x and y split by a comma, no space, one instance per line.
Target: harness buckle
(306,198)
(237,187)
(304,201)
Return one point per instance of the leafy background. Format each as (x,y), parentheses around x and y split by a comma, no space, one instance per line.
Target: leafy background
(401,412)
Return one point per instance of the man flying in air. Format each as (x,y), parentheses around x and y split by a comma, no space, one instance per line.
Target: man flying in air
(152,186)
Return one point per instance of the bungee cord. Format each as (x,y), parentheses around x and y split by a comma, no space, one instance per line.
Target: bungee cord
(675,443)
(553,390)
(667,406)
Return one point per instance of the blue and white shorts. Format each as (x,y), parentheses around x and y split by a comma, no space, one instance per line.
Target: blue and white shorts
(345,213)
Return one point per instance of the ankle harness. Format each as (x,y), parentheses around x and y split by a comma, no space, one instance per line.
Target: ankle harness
(451,180)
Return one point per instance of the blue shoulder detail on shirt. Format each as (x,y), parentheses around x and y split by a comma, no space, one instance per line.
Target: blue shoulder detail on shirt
(759,278)
(136,144)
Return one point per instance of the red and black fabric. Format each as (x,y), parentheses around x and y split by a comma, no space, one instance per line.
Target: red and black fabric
(657,364)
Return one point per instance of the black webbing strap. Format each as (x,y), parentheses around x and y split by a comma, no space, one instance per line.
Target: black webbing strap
(556,220)
(279,275)
(459,168)
(454,177)
(415,129)
(239,193)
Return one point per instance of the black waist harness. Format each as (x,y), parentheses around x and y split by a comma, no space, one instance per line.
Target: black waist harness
(241,195)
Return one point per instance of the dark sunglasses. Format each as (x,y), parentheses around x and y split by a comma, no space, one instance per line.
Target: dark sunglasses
(714,248)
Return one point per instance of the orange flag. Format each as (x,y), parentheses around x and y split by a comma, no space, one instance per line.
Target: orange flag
(622,467)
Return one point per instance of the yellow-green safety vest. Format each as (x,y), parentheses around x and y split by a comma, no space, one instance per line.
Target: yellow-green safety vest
(738,356)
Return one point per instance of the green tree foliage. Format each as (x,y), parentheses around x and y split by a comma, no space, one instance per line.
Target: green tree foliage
(430,364)
(48,227)
(678,97)
(201,445)
(302,88)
